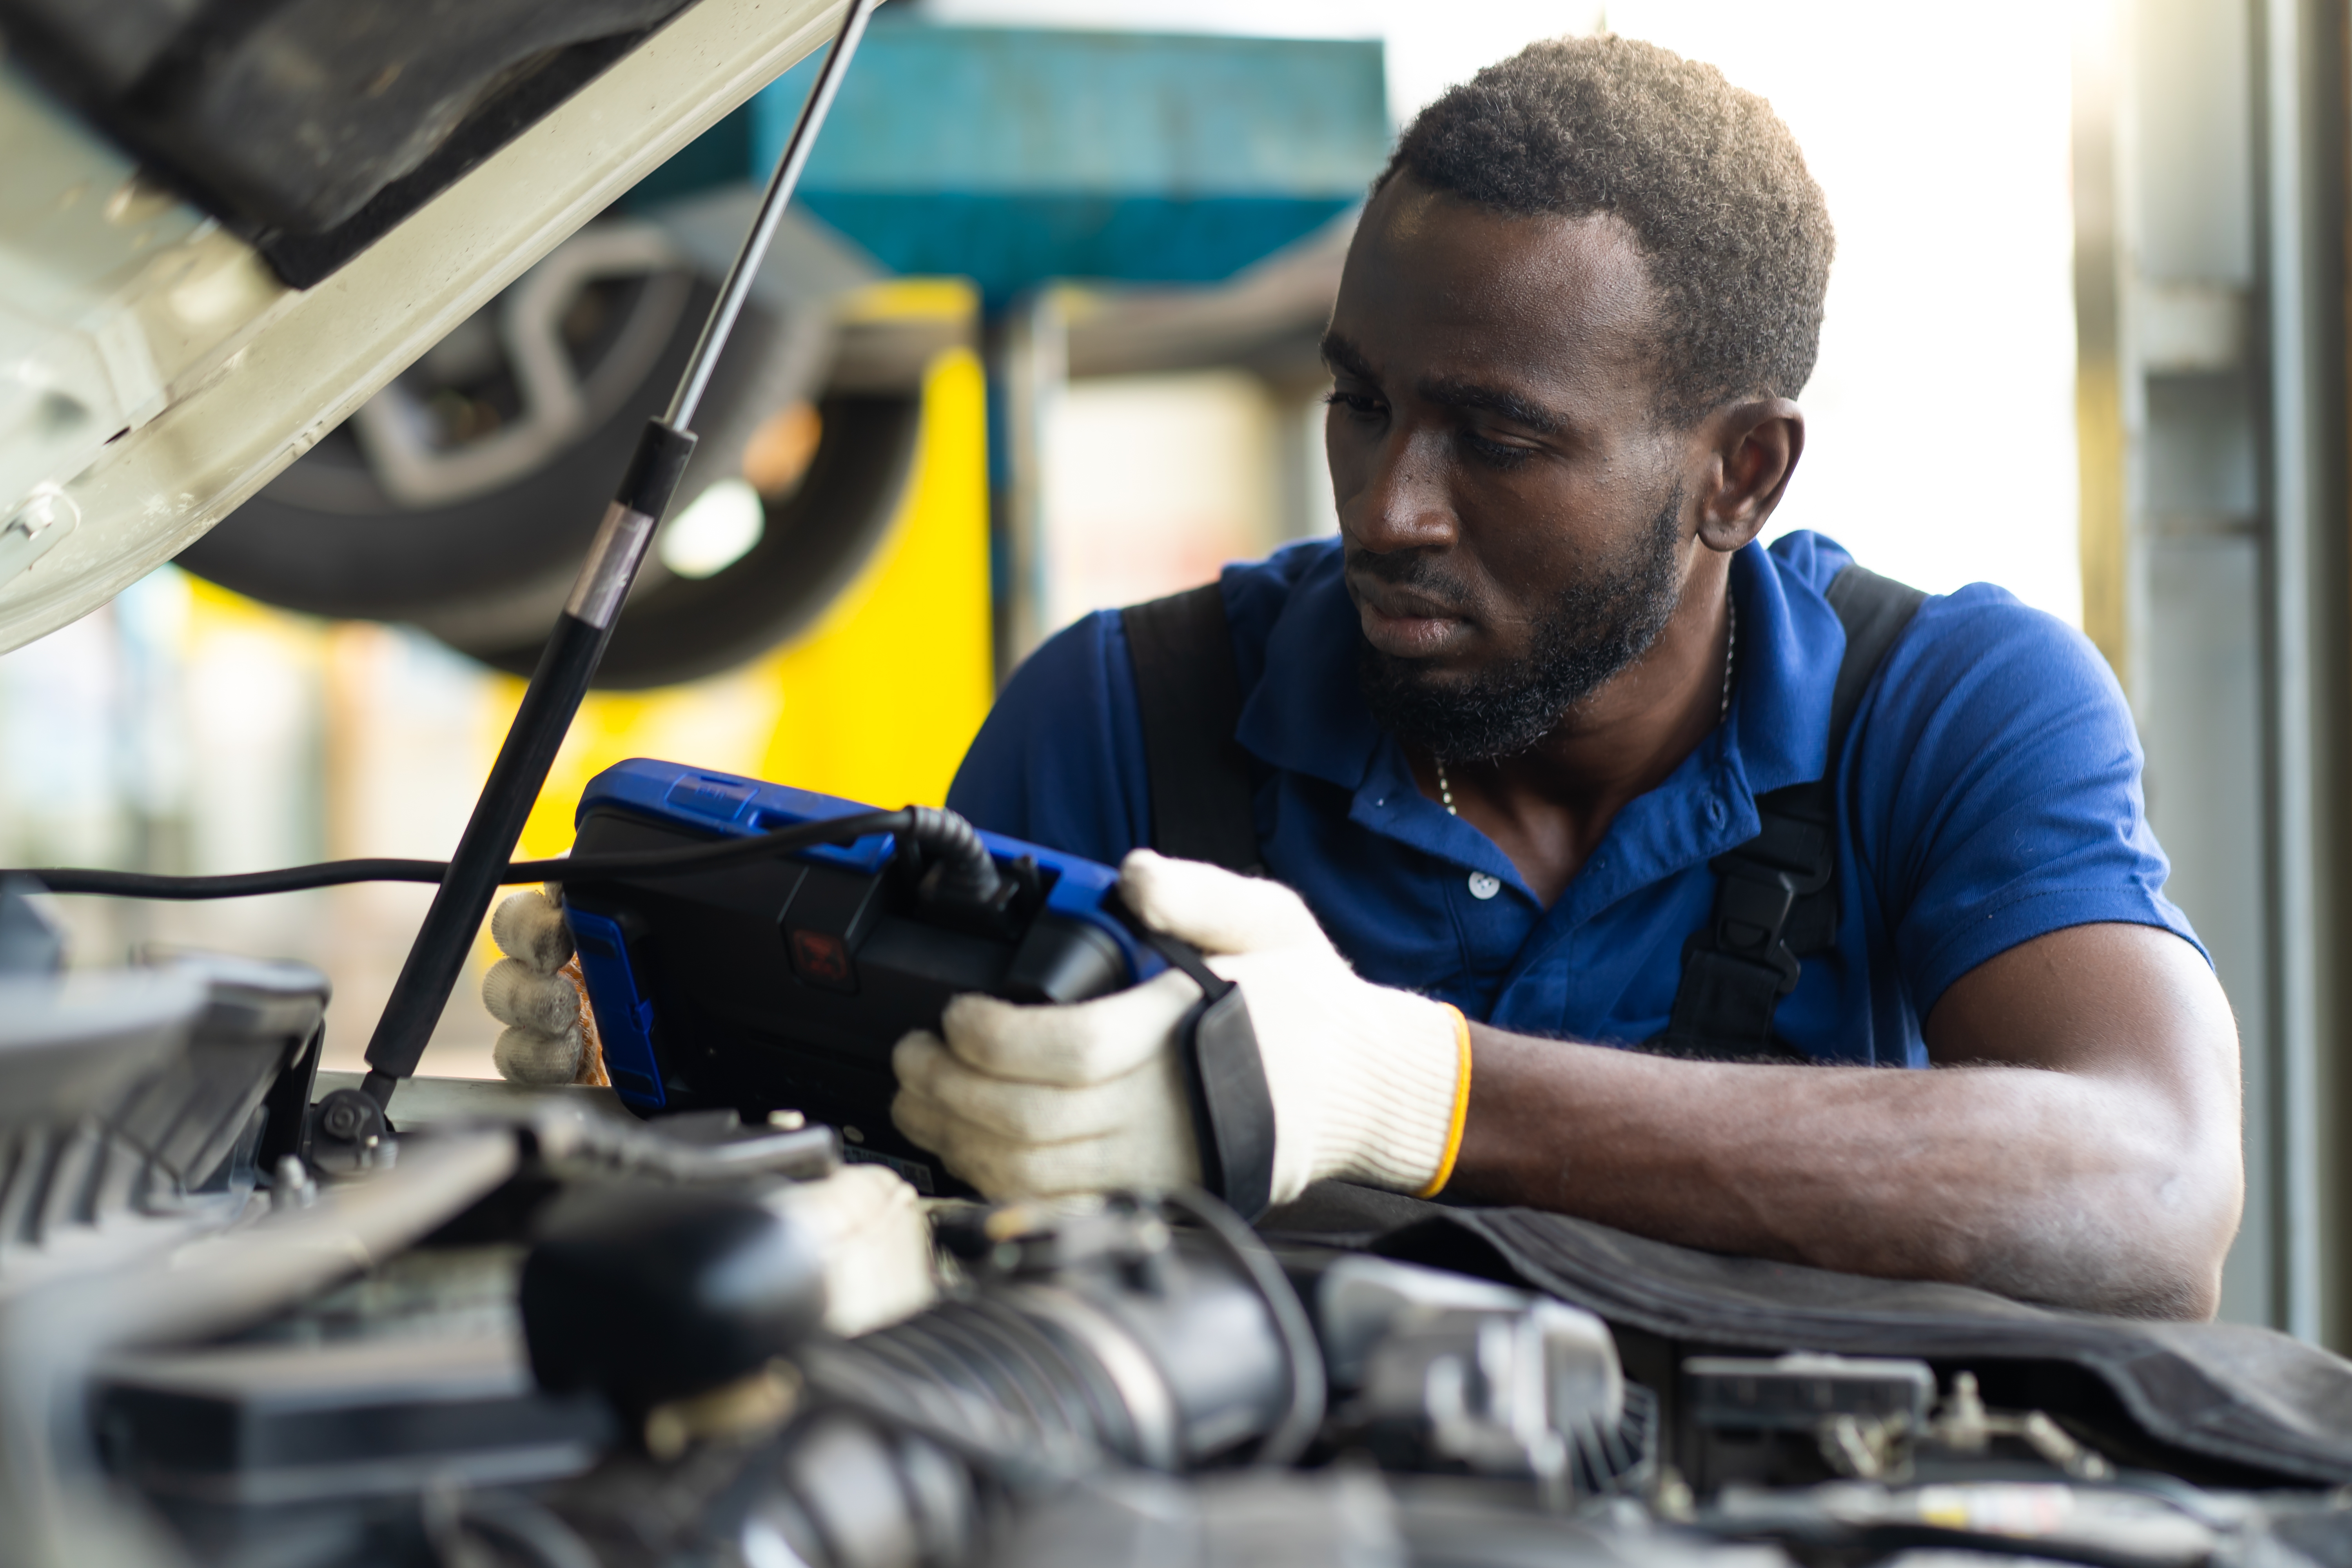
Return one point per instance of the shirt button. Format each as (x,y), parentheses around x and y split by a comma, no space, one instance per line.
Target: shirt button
(1482,886)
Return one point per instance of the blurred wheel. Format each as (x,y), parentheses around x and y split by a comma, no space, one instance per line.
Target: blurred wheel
(462,497)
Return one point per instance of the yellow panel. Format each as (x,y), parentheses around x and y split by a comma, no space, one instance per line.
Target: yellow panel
(880,701)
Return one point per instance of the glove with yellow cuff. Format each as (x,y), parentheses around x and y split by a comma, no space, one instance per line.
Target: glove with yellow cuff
(1366,1084)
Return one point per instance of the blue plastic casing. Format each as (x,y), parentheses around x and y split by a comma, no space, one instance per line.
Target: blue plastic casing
(624,1019)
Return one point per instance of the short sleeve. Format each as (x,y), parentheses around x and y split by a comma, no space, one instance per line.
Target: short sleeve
(1060,760)
(1997,777)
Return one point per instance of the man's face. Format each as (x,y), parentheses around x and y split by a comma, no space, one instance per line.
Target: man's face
(1512,508)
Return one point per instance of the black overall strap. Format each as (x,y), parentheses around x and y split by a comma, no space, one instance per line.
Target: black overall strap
(1189,694)
(1777,900)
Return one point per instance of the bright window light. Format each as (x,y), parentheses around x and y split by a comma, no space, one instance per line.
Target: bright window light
(716,531)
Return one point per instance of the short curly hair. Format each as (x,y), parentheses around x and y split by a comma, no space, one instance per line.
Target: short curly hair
(1734,231)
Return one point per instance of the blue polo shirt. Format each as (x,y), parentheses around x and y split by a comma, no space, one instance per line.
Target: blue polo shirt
(1989,793)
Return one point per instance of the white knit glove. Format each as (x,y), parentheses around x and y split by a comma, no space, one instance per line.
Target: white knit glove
(1368,1084)
(550,1035)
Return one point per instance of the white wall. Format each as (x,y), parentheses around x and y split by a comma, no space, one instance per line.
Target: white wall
(1942,413)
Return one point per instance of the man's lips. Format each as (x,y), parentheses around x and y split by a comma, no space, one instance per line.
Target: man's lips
(1405,623)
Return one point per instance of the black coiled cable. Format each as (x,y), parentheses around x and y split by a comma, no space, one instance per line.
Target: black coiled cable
(967,872)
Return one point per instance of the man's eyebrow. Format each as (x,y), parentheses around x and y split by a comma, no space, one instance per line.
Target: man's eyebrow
(1448,393)
(1345,358)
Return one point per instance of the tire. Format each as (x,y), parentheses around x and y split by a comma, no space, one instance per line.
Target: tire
(486,569)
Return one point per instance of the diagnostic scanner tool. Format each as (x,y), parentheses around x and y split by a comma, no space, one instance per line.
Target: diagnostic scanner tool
(782,983)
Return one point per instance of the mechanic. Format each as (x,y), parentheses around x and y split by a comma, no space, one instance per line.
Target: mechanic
(1498,735)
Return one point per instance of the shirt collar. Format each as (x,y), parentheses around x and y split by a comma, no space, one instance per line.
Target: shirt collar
(1791,644)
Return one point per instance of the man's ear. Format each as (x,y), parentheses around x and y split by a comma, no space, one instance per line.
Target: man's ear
(1753,447)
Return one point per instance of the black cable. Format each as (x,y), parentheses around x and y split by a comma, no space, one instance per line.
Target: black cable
(575,869)
(1302,1350)
(245,884)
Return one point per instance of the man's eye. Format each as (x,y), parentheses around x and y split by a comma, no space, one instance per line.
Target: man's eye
(1499,454)
(1361,405)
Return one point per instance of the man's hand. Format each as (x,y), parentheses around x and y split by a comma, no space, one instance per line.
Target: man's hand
(1369,1084)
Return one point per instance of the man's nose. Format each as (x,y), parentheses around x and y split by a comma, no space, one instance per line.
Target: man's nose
(1403,503)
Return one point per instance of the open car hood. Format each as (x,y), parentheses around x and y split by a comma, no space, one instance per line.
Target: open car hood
(155,367)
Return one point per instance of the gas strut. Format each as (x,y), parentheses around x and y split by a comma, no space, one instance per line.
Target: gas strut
(438,956)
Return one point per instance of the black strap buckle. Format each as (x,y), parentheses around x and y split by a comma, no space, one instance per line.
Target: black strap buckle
(1752,905)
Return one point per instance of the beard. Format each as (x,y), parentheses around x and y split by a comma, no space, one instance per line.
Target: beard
(1588,634)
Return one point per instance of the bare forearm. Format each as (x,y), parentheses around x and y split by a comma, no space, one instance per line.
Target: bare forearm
(2060,1186)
